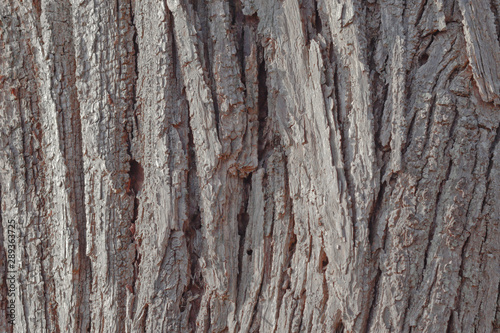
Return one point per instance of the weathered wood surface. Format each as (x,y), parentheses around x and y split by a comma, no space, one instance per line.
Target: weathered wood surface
(251,166)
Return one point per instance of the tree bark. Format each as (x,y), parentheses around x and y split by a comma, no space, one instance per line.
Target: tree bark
(250,166)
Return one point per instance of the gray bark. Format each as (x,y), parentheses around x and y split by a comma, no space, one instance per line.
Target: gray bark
(250,165)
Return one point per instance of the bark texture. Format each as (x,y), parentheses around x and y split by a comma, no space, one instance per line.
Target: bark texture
(251,165)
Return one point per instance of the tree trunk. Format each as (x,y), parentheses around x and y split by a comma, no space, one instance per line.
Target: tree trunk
(250,166)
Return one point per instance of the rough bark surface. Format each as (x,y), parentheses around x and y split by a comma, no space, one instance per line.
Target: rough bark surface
(251,165)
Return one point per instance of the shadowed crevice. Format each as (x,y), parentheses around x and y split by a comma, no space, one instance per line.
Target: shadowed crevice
(195,289)
(136,69)
(136,178)
(134,186)
(310,20)
(243,219)
(317,23)
(340,327)
(374,300)
(263,142)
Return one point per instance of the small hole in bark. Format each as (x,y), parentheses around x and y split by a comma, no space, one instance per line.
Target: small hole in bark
(249,252)
(323,260)
(423,59)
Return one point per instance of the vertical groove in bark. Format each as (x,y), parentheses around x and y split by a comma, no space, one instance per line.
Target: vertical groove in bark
(194,290)
(70,137)
(243,219)
(262,94)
